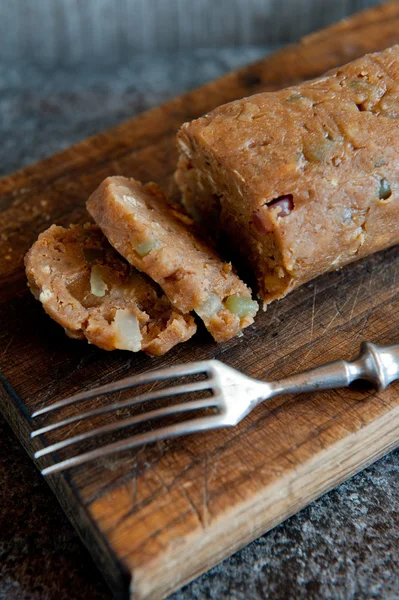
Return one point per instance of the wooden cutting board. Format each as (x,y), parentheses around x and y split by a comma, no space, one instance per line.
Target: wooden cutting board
(156,517)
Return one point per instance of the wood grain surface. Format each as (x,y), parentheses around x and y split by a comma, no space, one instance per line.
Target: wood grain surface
(156,517)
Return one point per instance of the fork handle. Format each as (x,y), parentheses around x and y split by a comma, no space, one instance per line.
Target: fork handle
(377,364)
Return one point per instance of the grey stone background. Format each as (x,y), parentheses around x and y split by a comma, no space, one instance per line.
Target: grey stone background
(345,545)
(71,31)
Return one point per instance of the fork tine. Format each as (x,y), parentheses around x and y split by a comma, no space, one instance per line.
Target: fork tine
(132,401)
(191,426)
(117,425)
(148,377)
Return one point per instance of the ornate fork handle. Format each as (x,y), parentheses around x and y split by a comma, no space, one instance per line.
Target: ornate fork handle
(377,364)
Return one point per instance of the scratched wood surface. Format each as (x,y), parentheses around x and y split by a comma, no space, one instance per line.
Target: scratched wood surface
(156,517)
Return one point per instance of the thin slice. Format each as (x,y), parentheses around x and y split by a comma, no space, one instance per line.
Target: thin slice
(95,294)
(160,240)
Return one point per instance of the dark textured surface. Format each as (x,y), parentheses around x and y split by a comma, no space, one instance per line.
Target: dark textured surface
(346,545)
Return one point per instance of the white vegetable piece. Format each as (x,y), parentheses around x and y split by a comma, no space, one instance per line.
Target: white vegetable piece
(127,331)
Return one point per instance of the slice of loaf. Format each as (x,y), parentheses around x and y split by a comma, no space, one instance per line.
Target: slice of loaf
(161,241)
(95,294)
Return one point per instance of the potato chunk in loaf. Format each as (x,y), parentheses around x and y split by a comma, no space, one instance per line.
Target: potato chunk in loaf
(160,240)
(95,294)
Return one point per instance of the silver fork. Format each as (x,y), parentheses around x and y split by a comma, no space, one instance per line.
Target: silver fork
(234,396)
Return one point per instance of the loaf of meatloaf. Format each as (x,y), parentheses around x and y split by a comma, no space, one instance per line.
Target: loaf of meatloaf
(159,240)
(303,180)
(95,294)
